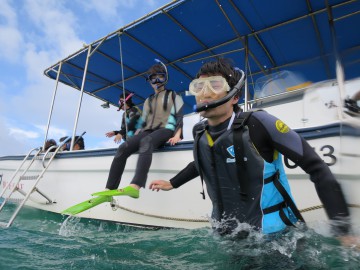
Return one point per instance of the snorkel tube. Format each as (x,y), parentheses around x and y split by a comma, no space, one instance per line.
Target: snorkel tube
(124,101)
(205,106)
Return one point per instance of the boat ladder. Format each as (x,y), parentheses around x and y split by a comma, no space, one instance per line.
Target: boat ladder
(14,183)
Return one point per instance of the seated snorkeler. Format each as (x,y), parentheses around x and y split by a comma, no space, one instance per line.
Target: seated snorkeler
(161,122)
(49,143)
(352,103)
(258,193)
(78,145)
(129,121)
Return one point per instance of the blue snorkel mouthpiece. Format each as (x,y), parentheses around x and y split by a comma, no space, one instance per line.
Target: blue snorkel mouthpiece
(236,89)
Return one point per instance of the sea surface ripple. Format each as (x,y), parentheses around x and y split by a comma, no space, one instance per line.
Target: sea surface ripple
(43,240)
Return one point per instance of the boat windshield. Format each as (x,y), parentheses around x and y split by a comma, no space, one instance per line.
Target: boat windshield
(279,82)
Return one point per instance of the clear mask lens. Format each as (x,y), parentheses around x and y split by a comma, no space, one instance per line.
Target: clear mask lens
(216,84)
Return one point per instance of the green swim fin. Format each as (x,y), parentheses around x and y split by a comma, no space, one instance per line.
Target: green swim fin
(128,191)
(83,206)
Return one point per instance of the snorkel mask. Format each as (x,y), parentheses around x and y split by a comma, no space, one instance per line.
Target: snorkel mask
(160,78)
(215,84)
(157,78)
(122,102)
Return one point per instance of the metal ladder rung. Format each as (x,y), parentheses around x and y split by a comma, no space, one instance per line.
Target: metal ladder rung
(15,200)
(21,191)
(35,189)
(43,194)
(29,177)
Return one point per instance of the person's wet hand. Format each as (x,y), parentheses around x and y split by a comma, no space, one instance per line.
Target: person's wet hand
(174,140)
(118,138)
(109,134)
(157,185)
(350,241)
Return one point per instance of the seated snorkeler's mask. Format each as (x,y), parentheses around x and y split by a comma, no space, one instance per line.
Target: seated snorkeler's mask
(160,77)
(157,78)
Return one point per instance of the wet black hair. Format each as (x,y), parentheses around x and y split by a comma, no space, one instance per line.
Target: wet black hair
(222,66)
(129,102)
(225,67)
(79,141)
(155,69)
(50,143)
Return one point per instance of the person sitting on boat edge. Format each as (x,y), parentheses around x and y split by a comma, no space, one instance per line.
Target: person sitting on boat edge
(161,122)
(129,120)
(351,103)
(78,145)
(239,156)
(48,144)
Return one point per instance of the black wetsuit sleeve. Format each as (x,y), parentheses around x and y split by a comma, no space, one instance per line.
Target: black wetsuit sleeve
(267,138)
(123,126)
(185,175)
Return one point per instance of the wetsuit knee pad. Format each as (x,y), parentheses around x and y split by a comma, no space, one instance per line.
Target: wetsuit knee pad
(122,150)
(146,144)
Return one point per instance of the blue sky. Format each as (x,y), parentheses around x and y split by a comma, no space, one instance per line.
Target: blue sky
(35,34)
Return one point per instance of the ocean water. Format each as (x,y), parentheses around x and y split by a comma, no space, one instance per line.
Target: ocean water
(42,240)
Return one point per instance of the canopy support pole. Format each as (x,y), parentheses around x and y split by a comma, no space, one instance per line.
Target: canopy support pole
(246,96)
(52,104)
(123,80)
(340,77)
(80,98)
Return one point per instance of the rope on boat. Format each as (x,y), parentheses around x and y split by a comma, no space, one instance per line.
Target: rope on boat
(158,216)
(321,206)
(206,220)
(311,208)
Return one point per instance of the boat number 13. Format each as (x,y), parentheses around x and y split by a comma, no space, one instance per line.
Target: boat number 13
(326,151)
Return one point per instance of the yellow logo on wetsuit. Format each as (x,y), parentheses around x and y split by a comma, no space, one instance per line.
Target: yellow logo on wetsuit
(281,126)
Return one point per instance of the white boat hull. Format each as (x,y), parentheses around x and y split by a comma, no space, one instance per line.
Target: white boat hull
(69,181)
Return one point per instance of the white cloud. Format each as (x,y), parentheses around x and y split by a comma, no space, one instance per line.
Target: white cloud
(40,33)
(54,132)
(20,133)
(56,27)
(10,145)
(10,40)
(115,10)
(10,36)
(106,12)
(52,37)
(8,12)
(35,63)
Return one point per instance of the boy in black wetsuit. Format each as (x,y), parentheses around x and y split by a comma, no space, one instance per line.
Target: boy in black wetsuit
(161,122)
(253,188)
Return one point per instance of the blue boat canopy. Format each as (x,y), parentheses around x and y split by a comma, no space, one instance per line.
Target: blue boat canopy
(297,36)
